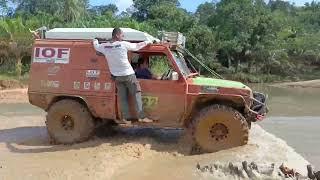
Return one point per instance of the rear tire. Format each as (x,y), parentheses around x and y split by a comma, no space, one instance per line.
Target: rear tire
(69,122)
(218,127)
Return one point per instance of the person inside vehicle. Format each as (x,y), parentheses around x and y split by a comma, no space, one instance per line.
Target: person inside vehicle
(142,70)
(116,53)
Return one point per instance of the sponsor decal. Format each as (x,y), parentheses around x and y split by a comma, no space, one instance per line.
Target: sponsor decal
(97,86)
(149,101)
(107,86)
(112,47)
(209,89)
(76,85)
(86,85)
(51,55)
(53,70)
(49,84)
(93,73)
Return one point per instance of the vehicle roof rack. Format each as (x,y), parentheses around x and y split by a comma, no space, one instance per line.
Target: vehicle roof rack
(103,33)
(174,38)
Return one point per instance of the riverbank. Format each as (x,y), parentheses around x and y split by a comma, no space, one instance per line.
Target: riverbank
(13,96)
(300,84)
(13,82)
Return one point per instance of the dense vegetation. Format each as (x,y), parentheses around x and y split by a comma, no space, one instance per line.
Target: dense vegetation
(246,40)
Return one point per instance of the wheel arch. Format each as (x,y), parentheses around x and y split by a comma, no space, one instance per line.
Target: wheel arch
(236,102)
(79,99)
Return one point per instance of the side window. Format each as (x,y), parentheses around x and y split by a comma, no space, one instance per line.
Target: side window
(134,58)
(159,64)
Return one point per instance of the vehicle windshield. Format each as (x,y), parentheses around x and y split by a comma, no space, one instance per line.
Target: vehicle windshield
(179,59)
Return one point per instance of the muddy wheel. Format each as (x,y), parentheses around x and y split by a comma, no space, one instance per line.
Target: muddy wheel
(218,127)
(69,122)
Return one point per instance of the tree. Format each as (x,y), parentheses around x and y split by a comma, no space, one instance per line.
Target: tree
(247,36)
(69,10)
(143,7)
(72,10)
(16,39)
(3,3)
(240,25)
(104,9)
(201,41)
(206,12)
(170,18)
(3,7)
(34,7)
(281,5)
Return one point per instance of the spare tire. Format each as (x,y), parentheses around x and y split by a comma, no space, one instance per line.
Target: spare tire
(69,121)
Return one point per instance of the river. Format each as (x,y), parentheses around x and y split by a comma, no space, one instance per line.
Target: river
(295,117)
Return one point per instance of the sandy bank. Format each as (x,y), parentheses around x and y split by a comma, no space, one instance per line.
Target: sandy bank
(14,96)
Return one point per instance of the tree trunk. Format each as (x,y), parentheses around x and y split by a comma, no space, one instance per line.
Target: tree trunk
(249,66)
(229,62)
(18,67)
(238,65)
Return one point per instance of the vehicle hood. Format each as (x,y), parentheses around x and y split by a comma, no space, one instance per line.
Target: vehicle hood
(203,81)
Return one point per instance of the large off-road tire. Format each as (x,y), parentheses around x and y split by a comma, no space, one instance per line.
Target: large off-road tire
(218,127)
(69,122)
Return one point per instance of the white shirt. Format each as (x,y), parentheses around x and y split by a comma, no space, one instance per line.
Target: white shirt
(116,54)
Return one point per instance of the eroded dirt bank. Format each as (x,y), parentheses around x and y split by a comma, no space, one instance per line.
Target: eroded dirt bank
(300,84)
(13,96)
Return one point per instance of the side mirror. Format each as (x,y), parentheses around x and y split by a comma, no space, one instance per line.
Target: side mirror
(174,76)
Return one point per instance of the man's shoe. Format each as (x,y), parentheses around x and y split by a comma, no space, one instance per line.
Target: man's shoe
(146,120)
(123,121)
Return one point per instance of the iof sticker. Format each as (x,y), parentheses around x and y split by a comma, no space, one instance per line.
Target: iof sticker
(76,85)
(107,86)
(51,55)
(97,86)
(86,85)
(49,84)
(93,73)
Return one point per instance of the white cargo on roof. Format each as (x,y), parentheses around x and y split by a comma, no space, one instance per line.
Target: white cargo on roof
(90,33)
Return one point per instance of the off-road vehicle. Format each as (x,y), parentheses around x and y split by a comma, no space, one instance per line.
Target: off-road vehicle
(72,83)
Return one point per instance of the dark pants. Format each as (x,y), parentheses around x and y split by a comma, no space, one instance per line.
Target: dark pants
(129,85)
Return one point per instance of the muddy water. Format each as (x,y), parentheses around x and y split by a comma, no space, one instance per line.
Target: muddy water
(292,102)
(147,153)
(295,117)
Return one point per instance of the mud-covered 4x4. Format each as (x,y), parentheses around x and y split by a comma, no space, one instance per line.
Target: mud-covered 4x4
(72,83)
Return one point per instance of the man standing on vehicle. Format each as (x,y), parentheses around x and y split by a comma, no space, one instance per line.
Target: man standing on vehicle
(116,53)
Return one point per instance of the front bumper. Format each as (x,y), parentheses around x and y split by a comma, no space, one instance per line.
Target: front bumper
(259,108)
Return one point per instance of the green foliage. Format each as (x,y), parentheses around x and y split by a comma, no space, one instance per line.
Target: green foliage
(177,18)
(15,42)
(103,10)
(143,7)
(68,10)
(206,12)
(159,65)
